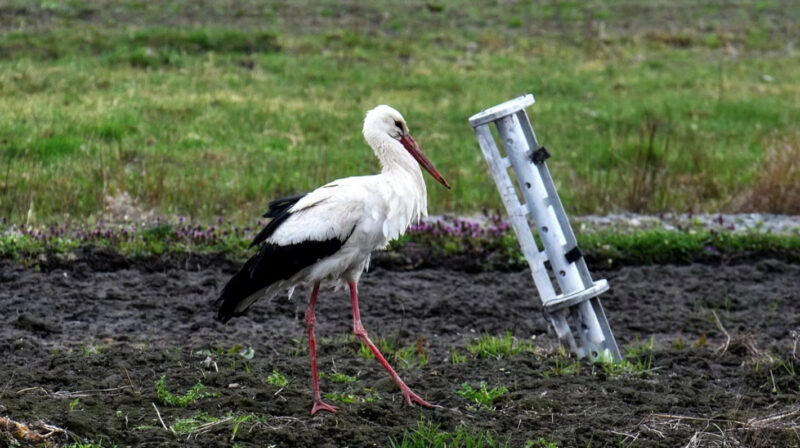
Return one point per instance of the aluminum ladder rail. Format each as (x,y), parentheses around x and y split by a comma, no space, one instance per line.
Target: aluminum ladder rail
(579,293)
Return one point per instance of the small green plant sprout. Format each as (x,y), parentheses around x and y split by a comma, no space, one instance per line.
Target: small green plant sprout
(456,358)
(365,352)
(640,355)
(638,358)
(787,366)
(482,397)
(386,346)
(195,423)
(413,355)
(563,364)
(428,435)
(238,420)
(488,346)
(90,350)
(298,347)
(276,379)
(74,404)
(245,352)
(541,443)
(679,343)
(337,377)
(341,397)
(166,398)
(370,396)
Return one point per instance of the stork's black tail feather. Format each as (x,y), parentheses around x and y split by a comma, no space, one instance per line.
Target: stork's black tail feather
(238,289)
(272,263)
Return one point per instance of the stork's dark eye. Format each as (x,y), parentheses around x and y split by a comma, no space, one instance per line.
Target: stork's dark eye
(399,125)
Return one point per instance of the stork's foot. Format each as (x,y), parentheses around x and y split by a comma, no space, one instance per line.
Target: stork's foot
(320,405)
(412,398)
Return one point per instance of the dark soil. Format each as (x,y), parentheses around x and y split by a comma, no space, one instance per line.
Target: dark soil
(84,342)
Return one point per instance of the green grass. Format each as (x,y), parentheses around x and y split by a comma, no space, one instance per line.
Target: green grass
(488,346)
(644,246)
(563,364)
(167,398)
(412,356)
(215,120)
(429,435)
(638,358)
(188,425)
(368,395)
(338,377)
(540,443)
(483,397)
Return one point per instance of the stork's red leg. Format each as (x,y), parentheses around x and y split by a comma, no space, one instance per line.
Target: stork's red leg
(312,349)
(361,334)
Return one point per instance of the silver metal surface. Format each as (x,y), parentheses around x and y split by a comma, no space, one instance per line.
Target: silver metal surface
(577,300)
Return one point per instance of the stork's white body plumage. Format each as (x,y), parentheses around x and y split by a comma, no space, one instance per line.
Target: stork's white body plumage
(330,233)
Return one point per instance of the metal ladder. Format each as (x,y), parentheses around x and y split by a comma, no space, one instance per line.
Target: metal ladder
(578,299)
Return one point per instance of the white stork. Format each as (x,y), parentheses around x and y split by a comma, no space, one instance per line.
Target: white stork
(330,233)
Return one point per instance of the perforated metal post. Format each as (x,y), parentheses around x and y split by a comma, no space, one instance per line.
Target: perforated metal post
(578,299)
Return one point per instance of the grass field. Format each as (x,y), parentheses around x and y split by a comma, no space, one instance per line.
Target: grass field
(202,109)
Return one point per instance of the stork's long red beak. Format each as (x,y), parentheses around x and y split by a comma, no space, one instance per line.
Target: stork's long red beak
(413,148)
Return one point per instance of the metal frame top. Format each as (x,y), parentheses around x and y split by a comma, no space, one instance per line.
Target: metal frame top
(501,110)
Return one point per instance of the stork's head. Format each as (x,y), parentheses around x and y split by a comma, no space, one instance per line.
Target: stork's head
(384,121)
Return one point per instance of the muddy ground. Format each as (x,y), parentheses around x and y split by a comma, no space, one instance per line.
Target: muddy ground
(83,343)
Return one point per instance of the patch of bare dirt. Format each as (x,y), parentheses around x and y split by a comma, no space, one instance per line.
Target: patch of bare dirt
(83,343)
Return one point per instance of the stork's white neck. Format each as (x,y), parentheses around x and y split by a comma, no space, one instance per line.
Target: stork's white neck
(401,170)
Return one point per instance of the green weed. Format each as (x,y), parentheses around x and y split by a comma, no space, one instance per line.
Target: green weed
(428,435)
(369,396)
(456,358)
(541,443)
(482,397)
(337,377)
(488,346)
(189,425)
(299,347)
(641,354)
(563,364)
(638,359)
(166,398)
(277,379)
(414,355)
(386,347)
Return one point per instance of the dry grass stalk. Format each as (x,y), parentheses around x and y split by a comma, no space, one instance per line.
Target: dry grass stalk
(741,343)
(722,433)
(724,347)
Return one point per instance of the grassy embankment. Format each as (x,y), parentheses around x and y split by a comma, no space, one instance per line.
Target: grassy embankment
(493,245)
(262,101)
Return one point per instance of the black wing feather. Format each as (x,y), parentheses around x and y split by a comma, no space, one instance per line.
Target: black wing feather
(278,211)
(279,205)
(272,263)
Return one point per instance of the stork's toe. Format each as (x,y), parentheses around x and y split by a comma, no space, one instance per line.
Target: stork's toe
(322,406)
